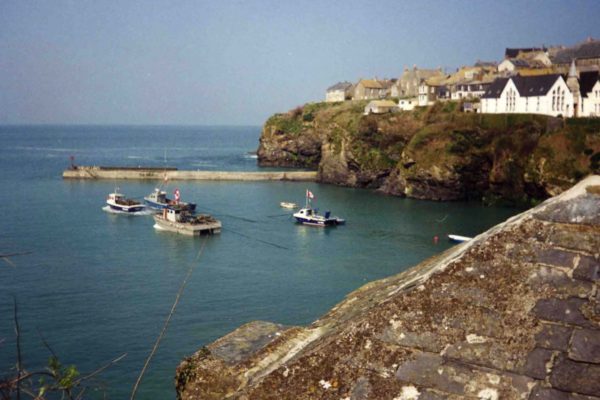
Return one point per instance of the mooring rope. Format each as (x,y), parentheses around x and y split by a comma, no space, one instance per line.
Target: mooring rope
(164,329)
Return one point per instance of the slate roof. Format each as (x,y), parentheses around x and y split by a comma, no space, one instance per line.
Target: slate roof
(340,86)
(495,89)
(587,80)
(589,49)
(527,86)
(537,85)
(512,53)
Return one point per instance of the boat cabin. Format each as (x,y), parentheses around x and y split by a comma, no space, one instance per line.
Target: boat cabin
(175,214)
(159,196)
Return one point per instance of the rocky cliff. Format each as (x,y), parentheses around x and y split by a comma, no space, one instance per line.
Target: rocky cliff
(512,314)
(436,152)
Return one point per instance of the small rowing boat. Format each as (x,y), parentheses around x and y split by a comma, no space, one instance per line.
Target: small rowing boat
(458,238)
(286,204)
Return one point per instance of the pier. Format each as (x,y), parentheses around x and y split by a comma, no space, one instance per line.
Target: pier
(151,173)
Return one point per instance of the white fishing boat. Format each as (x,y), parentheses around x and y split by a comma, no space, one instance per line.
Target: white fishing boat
(459,239)
(311,216)
(180,220)
(286,204)
(118,202)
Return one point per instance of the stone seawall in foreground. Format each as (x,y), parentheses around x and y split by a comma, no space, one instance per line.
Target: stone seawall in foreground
(512,314)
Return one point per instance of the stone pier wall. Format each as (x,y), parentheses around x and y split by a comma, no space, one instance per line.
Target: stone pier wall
(157,174)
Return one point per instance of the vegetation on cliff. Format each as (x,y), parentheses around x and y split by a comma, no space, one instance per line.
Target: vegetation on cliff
(435,152)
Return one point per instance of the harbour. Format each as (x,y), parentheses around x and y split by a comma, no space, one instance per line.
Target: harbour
(103,282)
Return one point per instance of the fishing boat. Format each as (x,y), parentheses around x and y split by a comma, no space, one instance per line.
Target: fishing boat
(311,216)
(118,202)
(158,200)
(458,238)
(286,204)
(178,219)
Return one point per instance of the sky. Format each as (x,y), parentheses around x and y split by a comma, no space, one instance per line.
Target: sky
(231,62)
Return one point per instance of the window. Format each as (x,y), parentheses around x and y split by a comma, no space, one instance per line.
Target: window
(554,100)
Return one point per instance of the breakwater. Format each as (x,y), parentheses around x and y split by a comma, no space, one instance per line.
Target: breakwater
(94,172)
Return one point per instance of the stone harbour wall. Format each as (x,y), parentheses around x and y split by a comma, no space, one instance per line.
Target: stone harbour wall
(512,314)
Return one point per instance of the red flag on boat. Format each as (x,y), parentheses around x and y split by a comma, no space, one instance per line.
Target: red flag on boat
(309,194)
(176,193)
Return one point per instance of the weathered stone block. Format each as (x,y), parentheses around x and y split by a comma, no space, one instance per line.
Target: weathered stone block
(426,341)
(567,311)
(580,210)
(535,366)
(559,282)
(585,346)
(555,257)
(554,337)
(576,377)
(433,372)
(582,240)
(427,370)
(588,269)
(546,393)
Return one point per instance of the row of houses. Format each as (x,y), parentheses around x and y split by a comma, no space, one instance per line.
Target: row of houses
(553,81)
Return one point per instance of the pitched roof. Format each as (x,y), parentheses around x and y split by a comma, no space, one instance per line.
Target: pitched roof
(587,80)
(512,53)
(527,86)
(371,83)
(495,89)
(588,49)
(382,103)
(537,85)
(340,86)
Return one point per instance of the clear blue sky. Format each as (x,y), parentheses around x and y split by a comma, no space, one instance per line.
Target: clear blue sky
(237,62)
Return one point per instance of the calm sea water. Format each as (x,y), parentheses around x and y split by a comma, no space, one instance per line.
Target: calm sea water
(98,285)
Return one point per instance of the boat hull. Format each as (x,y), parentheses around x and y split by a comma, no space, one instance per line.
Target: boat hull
(126,209)
(319,221)
(187,229)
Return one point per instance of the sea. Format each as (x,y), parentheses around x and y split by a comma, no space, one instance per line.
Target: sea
(92,286)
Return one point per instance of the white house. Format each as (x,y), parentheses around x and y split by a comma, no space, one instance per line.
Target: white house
(542,94)
(380,107)
(589,83)
(408,104)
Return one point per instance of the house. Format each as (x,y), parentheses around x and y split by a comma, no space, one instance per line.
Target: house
(380,107)
(589,83)
(516,52)
(408,84)
(369,89)
(408,104)
(339,92)
(433,89)
(542,94)
(586,55)
(511,65)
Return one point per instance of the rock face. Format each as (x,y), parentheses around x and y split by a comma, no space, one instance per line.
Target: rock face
(436,153)
(512,314)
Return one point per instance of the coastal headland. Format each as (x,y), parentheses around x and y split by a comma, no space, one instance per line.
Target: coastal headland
(435,153)
(512,314)
(141,173)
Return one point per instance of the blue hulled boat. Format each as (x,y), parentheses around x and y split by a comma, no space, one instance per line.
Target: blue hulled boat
(117,202)
(158,200)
